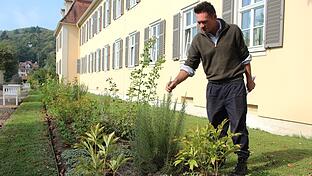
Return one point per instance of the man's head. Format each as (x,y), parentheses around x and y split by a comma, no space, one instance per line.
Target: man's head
(206,17)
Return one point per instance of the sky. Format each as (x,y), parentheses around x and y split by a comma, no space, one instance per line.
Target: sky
(16,14)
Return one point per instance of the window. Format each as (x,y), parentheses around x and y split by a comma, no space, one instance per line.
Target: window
(189,30)
(251,20)
(98,60)
(184,30)
(156,30)
(107,13)
(131,57)
(117,54)
(117,8)
(105,58)
(132,3)
(132,50)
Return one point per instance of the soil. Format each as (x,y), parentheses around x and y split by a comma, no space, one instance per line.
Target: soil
(5,114)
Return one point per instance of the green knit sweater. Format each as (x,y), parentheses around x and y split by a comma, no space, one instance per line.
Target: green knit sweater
(222,61)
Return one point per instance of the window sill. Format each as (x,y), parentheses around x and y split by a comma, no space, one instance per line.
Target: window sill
(259,51)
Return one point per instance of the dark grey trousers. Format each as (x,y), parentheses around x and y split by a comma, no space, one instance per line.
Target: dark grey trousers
(227,100)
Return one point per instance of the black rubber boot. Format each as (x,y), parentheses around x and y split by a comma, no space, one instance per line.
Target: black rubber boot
(241,168)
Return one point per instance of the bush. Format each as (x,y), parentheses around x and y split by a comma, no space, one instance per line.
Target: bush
(204,150)
(156,129)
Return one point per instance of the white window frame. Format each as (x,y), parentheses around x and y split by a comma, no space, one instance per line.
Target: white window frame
(131,50)
(252,6)
(187,41)
(118,9)
(107,11)
(132,3)
(154,32)
(117,54)
(105,57)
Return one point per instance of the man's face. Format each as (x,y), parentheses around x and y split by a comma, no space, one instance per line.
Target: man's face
(205,21)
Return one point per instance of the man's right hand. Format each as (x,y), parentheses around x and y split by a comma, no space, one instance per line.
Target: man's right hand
(170,86)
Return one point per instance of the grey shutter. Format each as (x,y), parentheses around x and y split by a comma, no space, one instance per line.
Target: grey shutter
(146,35)
(103,59)
(127,4)
(176,37)
(101,16)
(108,57)
(122,6)
(113,59)
(78,66)
(95,21)
(114,9)
(120,53)
(126,52)
(137,45)
(109,12)
(227,10)
(274,23)
(104,14)
(99,60)
(162,38)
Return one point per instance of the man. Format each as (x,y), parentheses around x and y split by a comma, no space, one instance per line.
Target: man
(225,58)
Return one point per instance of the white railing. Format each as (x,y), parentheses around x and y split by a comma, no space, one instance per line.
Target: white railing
(11,91)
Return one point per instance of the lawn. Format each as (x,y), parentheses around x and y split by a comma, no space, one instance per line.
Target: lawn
(24,142)
(272,155)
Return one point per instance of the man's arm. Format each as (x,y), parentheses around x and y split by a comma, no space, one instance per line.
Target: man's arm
(250,80)
(182,75)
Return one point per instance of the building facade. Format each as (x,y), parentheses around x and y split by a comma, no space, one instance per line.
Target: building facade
(107,38)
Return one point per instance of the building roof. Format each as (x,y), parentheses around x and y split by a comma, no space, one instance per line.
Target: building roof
(76,10)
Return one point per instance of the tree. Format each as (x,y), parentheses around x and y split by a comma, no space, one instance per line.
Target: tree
(8,63)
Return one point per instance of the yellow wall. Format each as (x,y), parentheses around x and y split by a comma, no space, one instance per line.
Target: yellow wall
(283,74)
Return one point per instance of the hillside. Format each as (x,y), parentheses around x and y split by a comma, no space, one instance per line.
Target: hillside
(33,43)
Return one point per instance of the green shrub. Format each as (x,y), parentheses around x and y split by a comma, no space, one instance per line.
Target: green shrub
(100,148)
(156,129)
(204,150)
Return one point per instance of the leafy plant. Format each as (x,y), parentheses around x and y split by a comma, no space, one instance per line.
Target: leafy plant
(99,148)
(112,90)
(144,81)
(204,149)
(156,129)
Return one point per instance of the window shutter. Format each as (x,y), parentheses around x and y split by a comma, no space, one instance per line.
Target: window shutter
(113,59)
(103,61)
(78,66)
(127,4)
(138,1)
(137,45)
(274,23)
(114,9)
(109,12)
(126,52)
(176,37)
(227,10)
(120,53)
(162,38)
(99,60)
(95,23)
(122,6)
(101,16)
(146,35)
(104,14)
(108,57)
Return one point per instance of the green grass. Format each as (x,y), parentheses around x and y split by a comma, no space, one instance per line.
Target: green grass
(24,142)
(271,155)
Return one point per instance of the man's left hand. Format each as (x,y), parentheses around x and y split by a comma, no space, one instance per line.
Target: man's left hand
(250,84)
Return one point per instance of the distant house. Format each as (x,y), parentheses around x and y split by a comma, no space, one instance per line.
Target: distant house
(99,39)
(25,68)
